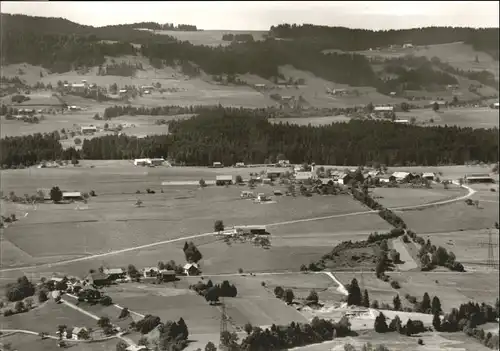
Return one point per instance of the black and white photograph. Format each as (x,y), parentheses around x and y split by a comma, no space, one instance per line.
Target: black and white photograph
(249,175)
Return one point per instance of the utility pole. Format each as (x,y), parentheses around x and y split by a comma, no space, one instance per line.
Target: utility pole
(491,262)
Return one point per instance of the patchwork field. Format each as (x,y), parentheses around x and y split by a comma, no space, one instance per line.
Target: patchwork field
(208,37)
(400,197)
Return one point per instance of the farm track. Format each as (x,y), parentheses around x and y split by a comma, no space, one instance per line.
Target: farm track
(145,246)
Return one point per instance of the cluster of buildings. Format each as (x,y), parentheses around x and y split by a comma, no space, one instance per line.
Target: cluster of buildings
(151,162)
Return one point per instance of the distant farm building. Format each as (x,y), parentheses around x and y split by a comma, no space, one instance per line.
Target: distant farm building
(147,88)
(439,102)
(401,121)
(301,176)
(428,176)
(78,333)
(273,173)
(149,161)
(166,275)
(78,87)
(217,165)
(247,194)
(44,192)
(150,272)
(191,269)
(224,180)
(89,130)
(401,176)
(260,86)
(98,279)
(115,273)
(386,178)
(283,163)
(239,165)
(72,195)
(383,109)
(496,105)
(407,46)
(478,178)
(250,230)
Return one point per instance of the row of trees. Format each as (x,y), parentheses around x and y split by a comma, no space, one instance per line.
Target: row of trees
(362,39)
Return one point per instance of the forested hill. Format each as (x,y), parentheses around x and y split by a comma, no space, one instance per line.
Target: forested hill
(347,39)
(232,135)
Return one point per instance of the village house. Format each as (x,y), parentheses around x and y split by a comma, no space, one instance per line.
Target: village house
(115,273)
(72,196)
(78,333)
(149,161)
(223,180)
(191,269)
(428,176)
(78,87)
(274,173)
(217,165)
(284,163)
(496,105)
(88,130)
(150,272)
(401,176)
(302,176)
(478,178)
(386,178)
(250,230)
(166,275)
(239,165)
(402,121)
(261,197)
(245,194)
(260,86)
(440,103)
(97,279)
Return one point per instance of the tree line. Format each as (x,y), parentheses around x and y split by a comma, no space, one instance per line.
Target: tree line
(230,135)
(165,26)
(348,39)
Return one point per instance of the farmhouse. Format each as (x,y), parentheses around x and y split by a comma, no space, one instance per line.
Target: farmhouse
(223,180)
(72,195)
(191,269)
(496,105)
(217,165)
(141,162)
(149,161)
(114,273)
(383,109)
(150,272)
(407,46)
(166,275)
(439,102)
(88,130)
(147,87)
(98,279)
(260,86)
(274,173)
(478,178)
(250,230)
(402,121)
(401,176)
(78,333)
(261,197)
(239,164)
(78,87)
(284,163)
(386,178)
(374,173)
(428,176)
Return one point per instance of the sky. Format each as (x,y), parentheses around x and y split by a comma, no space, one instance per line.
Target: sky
(260,15)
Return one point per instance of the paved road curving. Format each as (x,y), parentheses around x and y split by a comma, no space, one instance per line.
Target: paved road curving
(140,247)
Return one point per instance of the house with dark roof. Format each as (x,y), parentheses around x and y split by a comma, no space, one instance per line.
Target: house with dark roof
(98,279)
(192,269)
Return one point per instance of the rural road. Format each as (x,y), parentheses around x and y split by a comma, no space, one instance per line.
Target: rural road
(146,246)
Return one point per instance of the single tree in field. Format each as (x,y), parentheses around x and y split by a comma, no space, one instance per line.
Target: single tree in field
(436,305)
(435,106)
(219,226)
(425,305)
(202,183)
(397,303)
(55,194)
(121,346)
(248,328)
(354,293)
(239,179)
(289,296)
(138,203)
(313,297)
(366,299)
(210,347)
(380,323)
(436,321)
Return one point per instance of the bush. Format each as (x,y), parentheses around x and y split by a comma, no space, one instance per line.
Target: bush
(395,284)
(8,312)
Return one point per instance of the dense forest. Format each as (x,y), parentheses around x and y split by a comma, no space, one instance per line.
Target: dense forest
(237,135)
(347,39)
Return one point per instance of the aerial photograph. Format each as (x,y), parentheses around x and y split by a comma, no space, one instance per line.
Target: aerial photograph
(249,176)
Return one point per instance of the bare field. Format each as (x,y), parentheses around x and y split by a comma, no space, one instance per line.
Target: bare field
(46,318)
(483,117)
(459,55)
(452,288)
(208,37)
(398,342)
(400,197)
(468,246)
(457,216)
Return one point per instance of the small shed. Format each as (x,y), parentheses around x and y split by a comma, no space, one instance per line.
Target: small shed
(401,176)
(191,269)
(166,275)
(72,195)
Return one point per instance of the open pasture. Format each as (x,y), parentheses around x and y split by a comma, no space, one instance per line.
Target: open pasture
(481,117)
(111,221)
(397,342)
(208,37)
(23,342)
(400,197)
(47,317)
(468,246)
(458,55)
(452,288)
(457,216)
